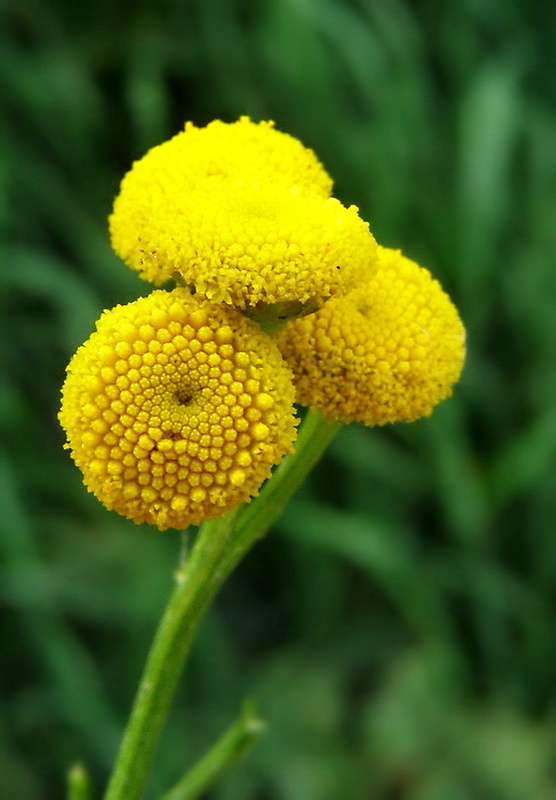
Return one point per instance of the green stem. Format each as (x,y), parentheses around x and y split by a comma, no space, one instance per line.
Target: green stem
(196,583)
(79,783)
(239,738)
(255,518)
(219,547)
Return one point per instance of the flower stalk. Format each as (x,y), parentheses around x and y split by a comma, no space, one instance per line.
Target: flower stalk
(79,783)
(237,740)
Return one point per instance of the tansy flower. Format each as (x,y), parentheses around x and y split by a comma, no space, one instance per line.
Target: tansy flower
(175,409)
(241,243)
(389,351)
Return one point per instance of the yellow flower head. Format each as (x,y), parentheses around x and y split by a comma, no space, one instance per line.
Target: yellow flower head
(243,244)
(175,409)
(387,352)
(242,212)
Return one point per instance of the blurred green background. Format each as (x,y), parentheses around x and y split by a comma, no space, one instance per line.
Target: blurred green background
(398,627)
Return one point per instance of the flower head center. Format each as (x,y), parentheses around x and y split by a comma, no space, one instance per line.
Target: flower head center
(184,397)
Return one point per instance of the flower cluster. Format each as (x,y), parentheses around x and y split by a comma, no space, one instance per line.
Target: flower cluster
(179,405)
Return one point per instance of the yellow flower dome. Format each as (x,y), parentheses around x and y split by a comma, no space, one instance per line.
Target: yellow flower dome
(242,150)
(387,352)
(240,243)
(176,409)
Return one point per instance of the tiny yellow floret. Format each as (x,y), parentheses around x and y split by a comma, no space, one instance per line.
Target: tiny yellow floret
(388,351)
(166,436)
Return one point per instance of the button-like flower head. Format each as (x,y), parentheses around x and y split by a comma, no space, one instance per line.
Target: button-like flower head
(388,351)
(176,409)
(243,225)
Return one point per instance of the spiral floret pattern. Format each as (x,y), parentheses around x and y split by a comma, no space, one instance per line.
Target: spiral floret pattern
(176,409)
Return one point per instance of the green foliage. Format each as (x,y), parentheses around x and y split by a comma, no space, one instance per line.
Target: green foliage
(397,627)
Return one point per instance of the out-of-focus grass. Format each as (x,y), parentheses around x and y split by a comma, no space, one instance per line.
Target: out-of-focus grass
(398,627)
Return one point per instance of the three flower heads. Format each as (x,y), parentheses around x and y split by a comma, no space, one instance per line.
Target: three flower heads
(180,403)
